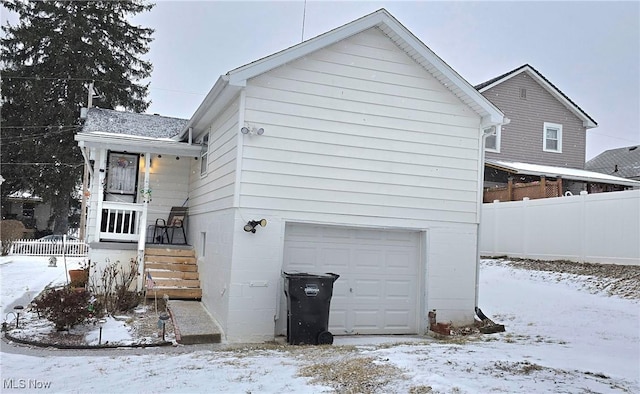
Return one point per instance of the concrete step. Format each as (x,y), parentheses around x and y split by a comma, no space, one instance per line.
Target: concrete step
(193,324)
(175,293)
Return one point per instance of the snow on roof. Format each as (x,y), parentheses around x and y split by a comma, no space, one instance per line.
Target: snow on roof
(129,123)
(560,172)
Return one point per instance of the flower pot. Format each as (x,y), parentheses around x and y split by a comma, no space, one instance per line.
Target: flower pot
(78,278)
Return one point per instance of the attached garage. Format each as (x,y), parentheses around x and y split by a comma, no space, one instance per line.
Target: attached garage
(378,289)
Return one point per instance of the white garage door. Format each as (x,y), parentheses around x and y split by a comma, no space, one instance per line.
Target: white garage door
(377,292)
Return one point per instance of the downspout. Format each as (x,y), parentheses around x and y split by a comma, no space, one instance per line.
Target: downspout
(483,140)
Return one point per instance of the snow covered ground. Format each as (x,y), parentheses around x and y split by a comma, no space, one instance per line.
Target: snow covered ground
(560,338)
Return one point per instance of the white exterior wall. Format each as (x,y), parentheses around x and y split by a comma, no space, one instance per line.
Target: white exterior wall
(359,130)
(595,228)
(211,215)
(168,181)
(356,134)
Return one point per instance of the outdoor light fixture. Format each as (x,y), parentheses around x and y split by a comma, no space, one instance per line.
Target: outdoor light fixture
(250,227)
(253,130)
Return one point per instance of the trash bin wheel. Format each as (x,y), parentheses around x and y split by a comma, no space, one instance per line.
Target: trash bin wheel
(325,338)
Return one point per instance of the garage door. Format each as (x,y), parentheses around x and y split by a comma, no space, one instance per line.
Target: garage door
(377,292)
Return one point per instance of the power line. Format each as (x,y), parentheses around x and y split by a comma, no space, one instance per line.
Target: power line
(36,127)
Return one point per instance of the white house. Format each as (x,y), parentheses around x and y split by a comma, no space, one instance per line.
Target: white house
(361,148)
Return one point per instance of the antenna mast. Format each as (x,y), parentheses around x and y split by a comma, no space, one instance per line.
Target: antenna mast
(304,15)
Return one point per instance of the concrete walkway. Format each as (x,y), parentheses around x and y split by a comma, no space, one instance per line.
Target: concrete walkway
(193,324)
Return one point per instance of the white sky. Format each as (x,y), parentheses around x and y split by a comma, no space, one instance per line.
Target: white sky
(589,50)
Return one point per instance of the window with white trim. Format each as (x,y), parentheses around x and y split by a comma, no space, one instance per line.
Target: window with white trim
(492,142)
(552,137)
(204,154)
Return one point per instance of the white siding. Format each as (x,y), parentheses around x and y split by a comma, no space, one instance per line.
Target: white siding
(168,181)
(359,129)
(214,190)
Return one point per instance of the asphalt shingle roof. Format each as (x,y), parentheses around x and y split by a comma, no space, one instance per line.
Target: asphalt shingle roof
(625,160)
(129,123)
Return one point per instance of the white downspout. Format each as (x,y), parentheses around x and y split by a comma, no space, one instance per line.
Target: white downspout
(483,141)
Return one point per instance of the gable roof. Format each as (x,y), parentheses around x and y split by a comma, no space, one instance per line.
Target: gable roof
(128,131)
(622,162)
(587,120)
(563,172)
(227,86)
(130,123)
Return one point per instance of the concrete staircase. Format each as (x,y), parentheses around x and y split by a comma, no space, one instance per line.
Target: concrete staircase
(174,271)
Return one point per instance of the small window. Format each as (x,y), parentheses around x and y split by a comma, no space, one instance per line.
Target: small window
(492,142)
(552,137)
(204,154)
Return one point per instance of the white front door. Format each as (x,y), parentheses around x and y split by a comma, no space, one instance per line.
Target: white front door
(378,288)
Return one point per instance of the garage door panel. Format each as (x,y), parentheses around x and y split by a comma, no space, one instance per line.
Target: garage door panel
(397,320)
(368,259)
(334,259)
(377,289)
(399,290)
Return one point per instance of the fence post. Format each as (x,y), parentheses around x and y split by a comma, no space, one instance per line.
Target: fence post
(560,193)
(543,186)
(510,188)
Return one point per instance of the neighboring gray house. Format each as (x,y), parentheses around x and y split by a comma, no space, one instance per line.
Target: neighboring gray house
(546,127)
(621,162)
(362,150)
(541,152)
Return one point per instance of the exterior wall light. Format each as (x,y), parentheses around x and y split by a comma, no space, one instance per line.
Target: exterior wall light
(250,227)
(253,130)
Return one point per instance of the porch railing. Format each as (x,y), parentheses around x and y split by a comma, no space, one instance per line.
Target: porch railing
(120,221)
(34,247)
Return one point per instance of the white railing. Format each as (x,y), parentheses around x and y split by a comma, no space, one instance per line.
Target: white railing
(34,247)
(120,221)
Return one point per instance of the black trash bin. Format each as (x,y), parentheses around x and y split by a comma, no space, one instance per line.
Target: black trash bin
(308,302)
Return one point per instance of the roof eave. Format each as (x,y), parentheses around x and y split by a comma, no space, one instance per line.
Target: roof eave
(128,143)
(489,113)
(586,178)
(217,99)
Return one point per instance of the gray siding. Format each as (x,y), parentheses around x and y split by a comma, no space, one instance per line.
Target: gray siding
(522,139)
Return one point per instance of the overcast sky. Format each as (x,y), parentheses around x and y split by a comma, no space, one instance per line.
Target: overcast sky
(589,50)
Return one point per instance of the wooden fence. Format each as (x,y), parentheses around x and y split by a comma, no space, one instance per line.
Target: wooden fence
(34,247)
(518,191)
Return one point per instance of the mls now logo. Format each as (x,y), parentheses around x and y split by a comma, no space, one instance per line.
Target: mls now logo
(25,384)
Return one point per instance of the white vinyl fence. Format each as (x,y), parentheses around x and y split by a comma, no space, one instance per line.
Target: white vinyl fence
(595,228)
(33,247)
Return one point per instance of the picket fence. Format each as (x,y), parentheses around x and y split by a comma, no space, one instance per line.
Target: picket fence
(594,228)
(33,247)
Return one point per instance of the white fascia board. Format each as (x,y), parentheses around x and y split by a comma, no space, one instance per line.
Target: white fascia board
(586,122)
(492,115)
(123,142)
(217,99)
(240,75)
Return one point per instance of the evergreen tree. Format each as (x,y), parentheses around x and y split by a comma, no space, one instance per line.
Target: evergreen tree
(48,60)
